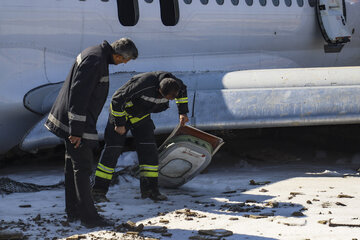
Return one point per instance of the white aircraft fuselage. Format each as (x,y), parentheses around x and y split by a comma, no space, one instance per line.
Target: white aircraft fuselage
(40,39)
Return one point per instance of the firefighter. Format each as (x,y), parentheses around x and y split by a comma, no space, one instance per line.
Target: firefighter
(73,117)
(130,109)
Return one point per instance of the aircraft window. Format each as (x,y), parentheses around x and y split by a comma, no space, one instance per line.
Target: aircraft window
(262,2)
(149,1)
(300,3)
(187,1)
(169,12)
(249,2)
(220,2)
(204,1)
(235,2)
(276,2)
(288,3)
(128,12)
(312,3)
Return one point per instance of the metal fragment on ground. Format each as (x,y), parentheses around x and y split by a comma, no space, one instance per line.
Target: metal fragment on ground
(344,196)
(155,229)
(297,214)
(254,216)
(76,237)
(252,182)
(323,221)
(293,222)
(216,232)
(344,222)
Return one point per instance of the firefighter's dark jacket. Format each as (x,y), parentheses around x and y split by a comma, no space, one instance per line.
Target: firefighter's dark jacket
(140,96)
(83,94)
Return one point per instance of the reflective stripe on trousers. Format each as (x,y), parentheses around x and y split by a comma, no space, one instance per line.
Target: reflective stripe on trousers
(149,170)
(103,171)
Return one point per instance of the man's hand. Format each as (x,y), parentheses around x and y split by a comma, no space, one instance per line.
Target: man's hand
(120,130)
(183,119)
(75,140)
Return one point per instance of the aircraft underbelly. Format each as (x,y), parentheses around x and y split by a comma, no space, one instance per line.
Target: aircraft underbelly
(278,107)
(250,99)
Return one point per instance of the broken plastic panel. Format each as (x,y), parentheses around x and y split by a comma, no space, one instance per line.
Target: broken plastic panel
(184,154)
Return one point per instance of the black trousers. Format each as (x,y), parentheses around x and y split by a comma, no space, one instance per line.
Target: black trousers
(78,168)
(146,149)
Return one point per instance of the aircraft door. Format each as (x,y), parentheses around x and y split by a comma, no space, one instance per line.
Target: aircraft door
(331,16)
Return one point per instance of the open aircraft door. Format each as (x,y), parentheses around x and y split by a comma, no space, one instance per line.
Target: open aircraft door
(184,154)
(331,16)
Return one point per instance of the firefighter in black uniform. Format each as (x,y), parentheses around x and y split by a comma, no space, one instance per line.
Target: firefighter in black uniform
(73,117)
(130,108)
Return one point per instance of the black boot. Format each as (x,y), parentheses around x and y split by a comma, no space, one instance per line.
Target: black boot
(73,216)
(100,189)
(99,195)
(149,189)
(97,222)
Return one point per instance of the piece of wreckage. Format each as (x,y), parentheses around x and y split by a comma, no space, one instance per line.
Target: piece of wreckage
(184,154)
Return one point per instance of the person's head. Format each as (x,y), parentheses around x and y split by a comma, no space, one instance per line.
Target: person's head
(169,88)
(124,51)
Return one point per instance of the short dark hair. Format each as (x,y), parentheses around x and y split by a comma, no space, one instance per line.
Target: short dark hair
(126,48)
(169,86)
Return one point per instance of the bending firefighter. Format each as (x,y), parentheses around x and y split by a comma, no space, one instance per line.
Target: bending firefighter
(130,109)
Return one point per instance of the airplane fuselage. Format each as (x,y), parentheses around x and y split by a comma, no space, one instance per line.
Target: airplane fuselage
(40,39)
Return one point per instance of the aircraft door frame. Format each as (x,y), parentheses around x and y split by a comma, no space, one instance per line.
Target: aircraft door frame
(331,15)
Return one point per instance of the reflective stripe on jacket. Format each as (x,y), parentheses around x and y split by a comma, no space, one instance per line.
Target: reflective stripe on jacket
(140,96)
